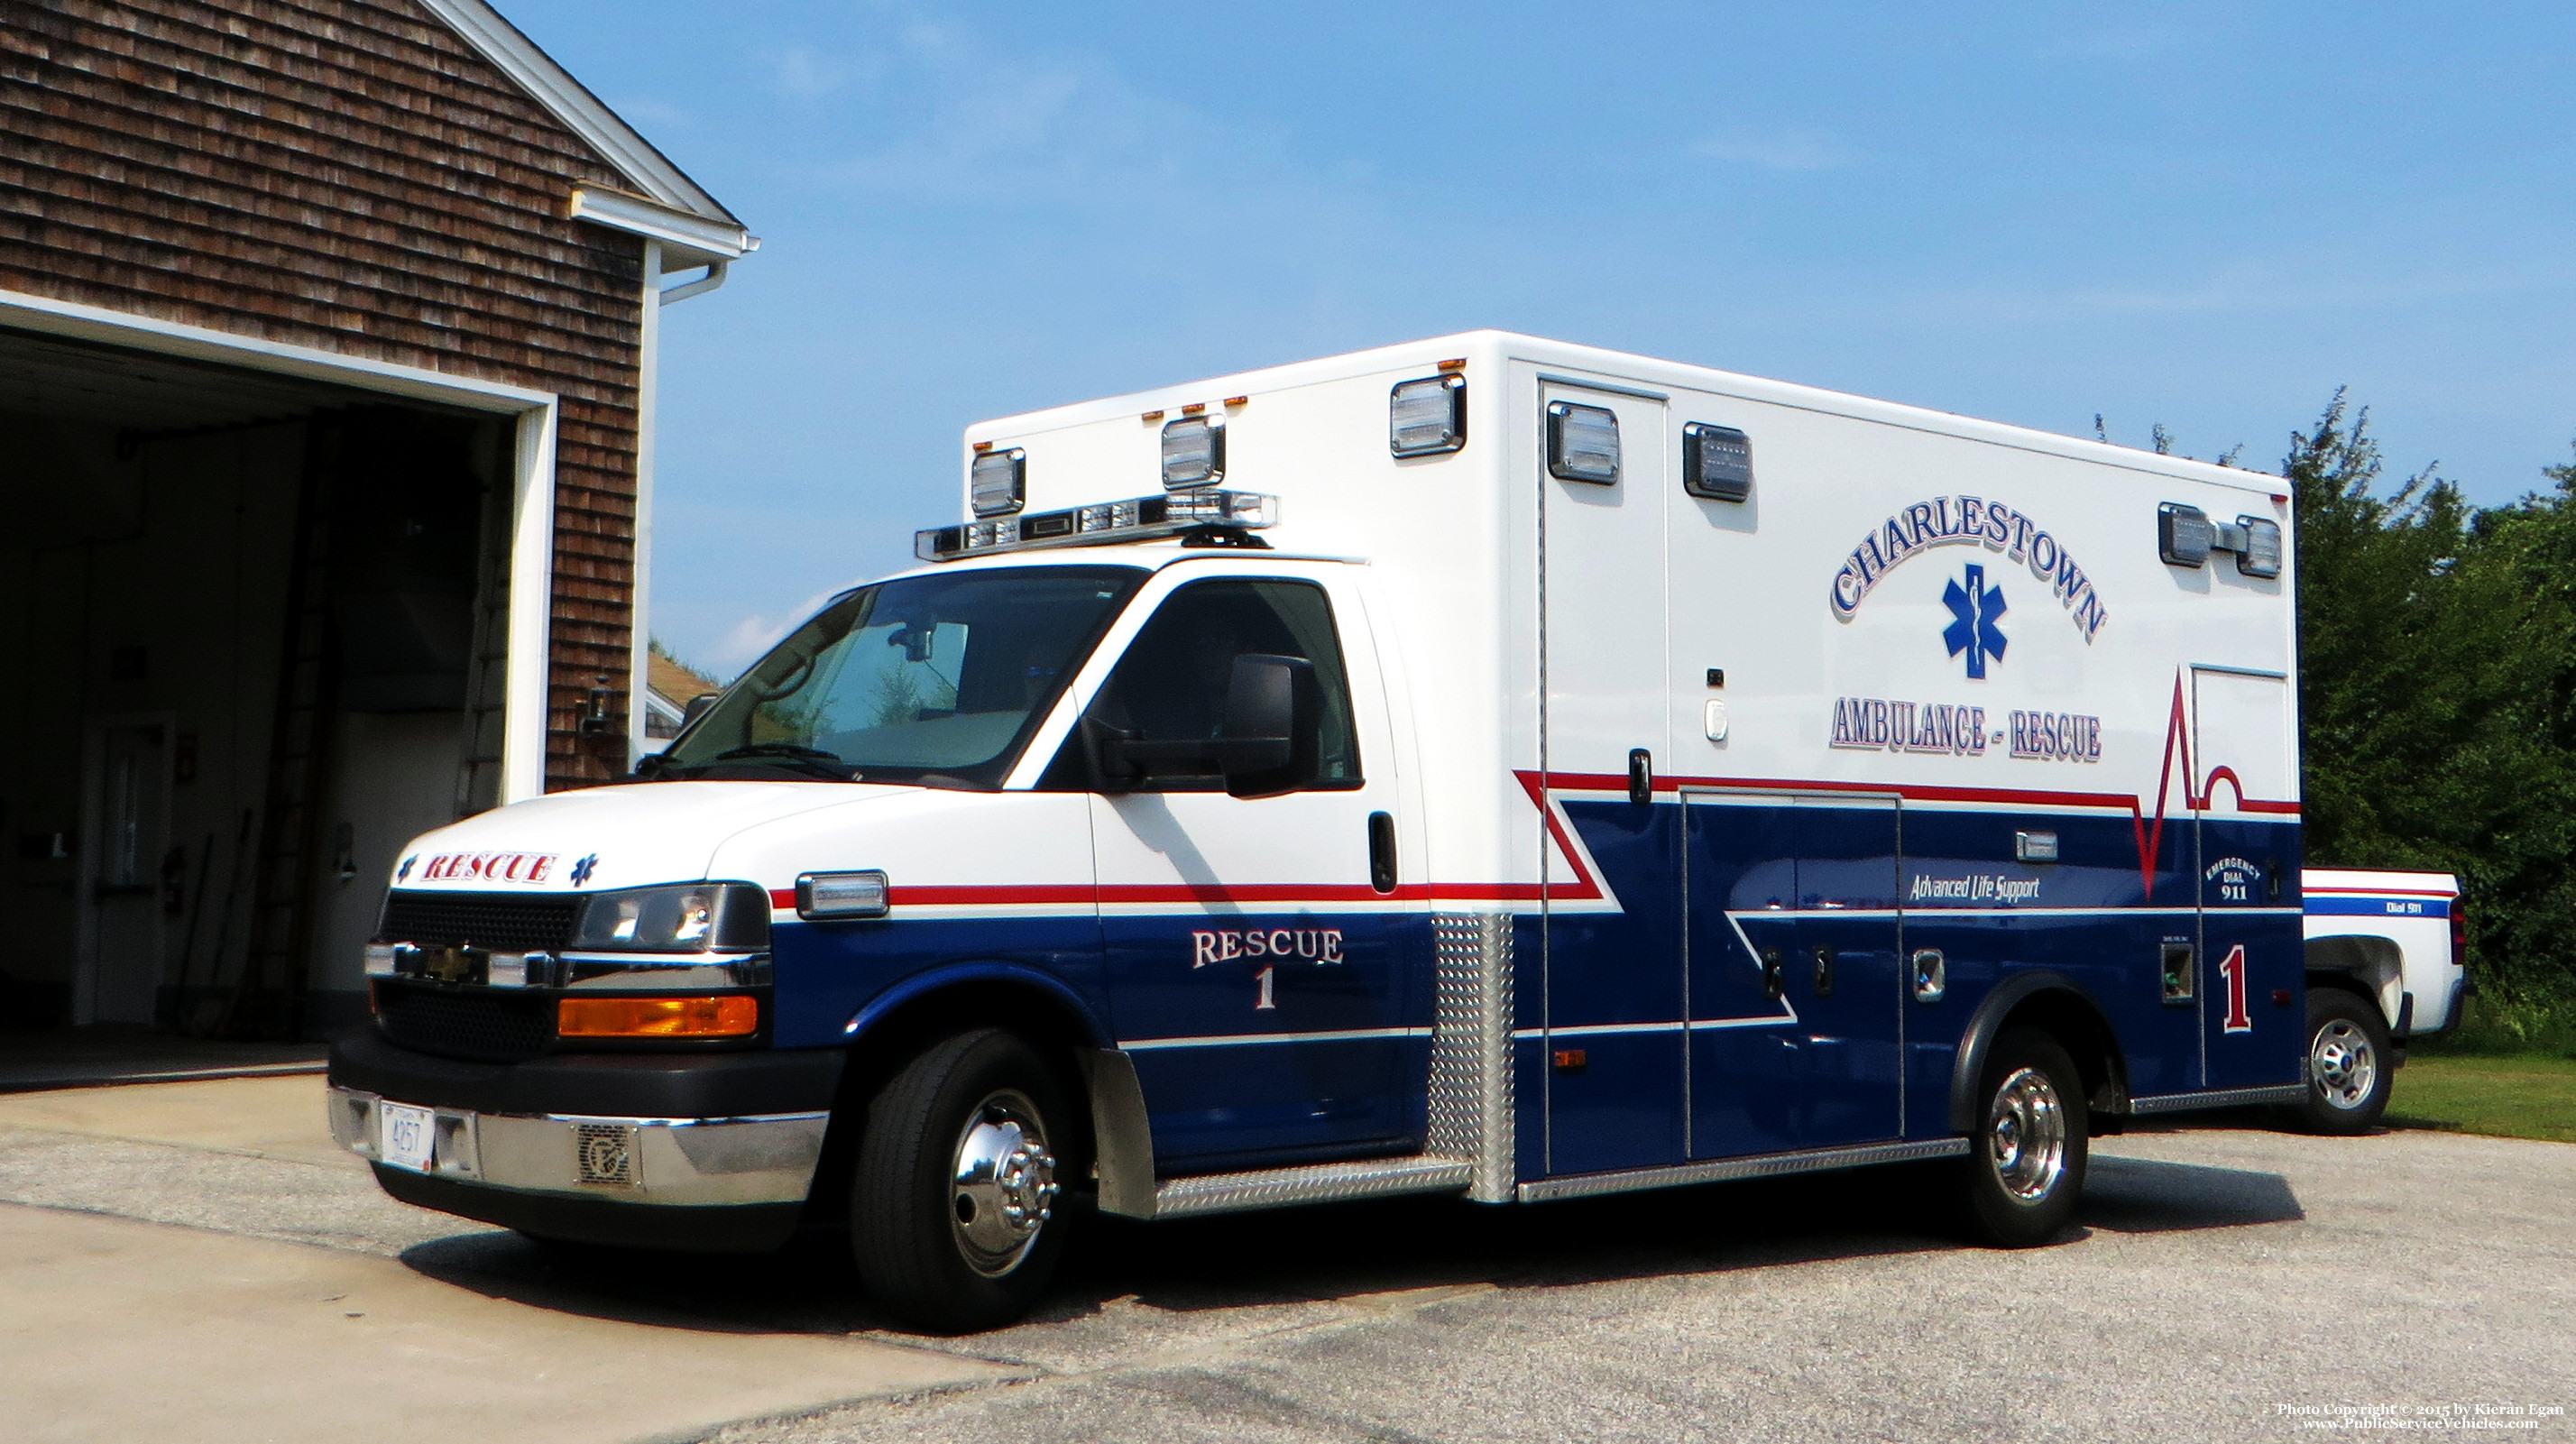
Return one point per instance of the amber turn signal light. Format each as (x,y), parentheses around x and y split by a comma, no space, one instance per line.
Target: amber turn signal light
(657,1017)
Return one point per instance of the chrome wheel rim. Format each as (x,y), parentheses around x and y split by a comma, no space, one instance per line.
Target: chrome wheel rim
(2026,1136)
(2342,1064)
(1002,1190)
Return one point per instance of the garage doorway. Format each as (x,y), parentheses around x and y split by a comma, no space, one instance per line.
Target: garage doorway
(265,629)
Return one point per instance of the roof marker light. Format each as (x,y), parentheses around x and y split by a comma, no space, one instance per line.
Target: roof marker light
(1427,417)
(1101,524)
(1193,452)
(1582,443)
(997,484)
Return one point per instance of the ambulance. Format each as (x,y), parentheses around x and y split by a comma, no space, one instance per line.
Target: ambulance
(1485,767)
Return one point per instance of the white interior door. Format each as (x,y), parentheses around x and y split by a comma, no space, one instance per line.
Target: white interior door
(129,790)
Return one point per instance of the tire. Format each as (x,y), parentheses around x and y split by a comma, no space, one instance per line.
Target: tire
(2348,1064)
(2025,1164)
(956,1218)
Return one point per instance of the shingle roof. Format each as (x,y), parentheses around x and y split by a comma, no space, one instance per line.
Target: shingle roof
(677,684)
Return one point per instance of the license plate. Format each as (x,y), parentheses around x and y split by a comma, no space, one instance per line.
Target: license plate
(407,1135)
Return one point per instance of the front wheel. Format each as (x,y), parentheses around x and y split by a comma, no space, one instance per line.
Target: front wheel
(2348,1064)
(955,1219)
(2025,1167)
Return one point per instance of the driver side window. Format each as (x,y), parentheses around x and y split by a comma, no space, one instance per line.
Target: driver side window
(1171,685)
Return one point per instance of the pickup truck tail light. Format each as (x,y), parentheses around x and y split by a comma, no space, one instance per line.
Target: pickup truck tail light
(2459,932)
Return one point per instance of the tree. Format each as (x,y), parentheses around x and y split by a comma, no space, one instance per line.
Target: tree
(2437,683)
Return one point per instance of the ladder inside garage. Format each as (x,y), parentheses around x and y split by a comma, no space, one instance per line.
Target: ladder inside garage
(487,669)
(285,879)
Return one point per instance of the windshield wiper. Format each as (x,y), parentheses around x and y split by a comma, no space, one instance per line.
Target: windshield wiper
(815,760)
(775,749)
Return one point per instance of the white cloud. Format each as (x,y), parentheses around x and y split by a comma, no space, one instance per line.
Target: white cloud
(757,632)
(805,73)
(1780,150)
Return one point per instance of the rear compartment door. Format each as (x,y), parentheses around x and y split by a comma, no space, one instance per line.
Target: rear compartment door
(2252,954)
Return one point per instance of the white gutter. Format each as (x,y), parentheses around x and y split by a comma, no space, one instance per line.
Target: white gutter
(691,240)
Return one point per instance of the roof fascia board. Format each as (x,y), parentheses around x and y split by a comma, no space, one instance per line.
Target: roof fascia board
(553,87)
(690,239)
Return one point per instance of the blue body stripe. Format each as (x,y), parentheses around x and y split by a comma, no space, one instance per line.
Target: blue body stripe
(1845,1055)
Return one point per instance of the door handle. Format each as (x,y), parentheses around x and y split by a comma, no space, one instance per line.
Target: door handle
(1773,984)
(1641,776)
(1381,833)
(1824,959)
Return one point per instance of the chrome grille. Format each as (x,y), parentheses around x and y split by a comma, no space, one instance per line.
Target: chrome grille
(605,1152)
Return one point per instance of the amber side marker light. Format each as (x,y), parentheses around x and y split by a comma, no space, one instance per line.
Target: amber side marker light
(657,1017)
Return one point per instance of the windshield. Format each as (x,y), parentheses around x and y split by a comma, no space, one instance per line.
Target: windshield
(934,679)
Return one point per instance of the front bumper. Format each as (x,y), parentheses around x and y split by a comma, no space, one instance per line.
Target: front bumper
(631,1173)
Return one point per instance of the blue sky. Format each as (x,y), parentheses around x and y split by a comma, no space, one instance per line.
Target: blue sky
(2204,215)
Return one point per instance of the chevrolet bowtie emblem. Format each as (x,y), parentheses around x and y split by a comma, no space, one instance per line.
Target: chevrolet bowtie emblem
(449,965)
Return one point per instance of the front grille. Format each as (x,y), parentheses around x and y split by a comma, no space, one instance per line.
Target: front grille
(477,1024)
(497,922)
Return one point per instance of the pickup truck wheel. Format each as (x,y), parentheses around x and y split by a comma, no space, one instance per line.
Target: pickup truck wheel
(2348,1064)
(954,1215)
(2025,1167)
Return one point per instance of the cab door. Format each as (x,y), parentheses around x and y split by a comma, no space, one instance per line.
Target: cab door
(1268,970)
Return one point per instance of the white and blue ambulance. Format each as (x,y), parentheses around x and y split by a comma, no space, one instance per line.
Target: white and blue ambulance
(1487,767)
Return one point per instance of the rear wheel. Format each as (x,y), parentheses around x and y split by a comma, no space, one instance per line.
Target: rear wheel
(2025,1167)
(2348,1064)
(955,1221)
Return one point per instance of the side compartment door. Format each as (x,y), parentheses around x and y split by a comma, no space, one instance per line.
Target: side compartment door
(1274,998)
(1795,1003)
(1613,961)
(2252,957)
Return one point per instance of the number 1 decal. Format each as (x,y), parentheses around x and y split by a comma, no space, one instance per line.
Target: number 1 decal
(1263,977)
(2238,1020)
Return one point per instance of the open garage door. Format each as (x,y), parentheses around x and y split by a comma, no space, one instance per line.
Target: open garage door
(253,619)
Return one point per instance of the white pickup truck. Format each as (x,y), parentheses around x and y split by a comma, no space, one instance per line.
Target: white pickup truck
(2385,954)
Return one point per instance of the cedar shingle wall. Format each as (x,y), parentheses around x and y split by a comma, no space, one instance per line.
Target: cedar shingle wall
(350,176)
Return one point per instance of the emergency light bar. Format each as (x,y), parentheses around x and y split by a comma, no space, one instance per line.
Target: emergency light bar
(1144,519)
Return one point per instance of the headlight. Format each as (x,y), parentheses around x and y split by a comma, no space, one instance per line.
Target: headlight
(692,917)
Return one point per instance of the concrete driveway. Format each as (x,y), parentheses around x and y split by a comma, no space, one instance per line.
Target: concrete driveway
(193,1261)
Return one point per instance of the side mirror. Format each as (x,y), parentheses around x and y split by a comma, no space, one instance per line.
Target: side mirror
(1265,742)
(697,707)
(1266,745)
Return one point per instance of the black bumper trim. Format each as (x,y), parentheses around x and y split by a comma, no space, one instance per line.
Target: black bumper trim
(710,1228)
(614,1085)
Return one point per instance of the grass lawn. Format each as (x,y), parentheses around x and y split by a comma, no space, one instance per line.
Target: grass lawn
(2533,1096)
